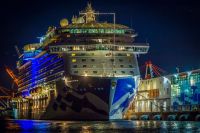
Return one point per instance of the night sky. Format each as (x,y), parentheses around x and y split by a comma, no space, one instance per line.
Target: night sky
(171,27)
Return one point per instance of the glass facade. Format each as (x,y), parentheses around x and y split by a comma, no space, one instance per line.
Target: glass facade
(185,91)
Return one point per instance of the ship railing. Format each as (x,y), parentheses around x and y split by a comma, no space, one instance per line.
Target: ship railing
(135,48)
(96,68)
(40,81)
(47,67)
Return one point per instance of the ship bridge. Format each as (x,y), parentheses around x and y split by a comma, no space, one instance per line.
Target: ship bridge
(136,48)
(85,34)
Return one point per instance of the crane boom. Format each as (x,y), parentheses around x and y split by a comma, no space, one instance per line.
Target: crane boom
(152,70)
(12,75)
(4,91)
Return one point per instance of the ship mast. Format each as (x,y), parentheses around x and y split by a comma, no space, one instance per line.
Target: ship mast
(90,16)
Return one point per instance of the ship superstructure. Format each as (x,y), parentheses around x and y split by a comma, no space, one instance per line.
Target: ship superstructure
(84,70)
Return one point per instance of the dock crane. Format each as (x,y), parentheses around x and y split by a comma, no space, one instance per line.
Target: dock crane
(9,71)
(152,70)
(8,94)
(12,75)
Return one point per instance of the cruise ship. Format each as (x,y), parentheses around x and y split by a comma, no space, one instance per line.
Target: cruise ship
(82,70)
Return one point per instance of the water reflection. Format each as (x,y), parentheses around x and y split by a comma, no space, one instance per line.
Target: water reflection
(101,126)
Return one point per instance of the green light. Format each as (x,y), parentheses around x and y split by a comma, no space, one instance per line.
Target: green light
(95,31)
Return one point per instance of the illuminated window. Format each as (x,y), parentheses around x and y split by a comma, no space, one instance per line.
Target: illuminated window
(73,60)
(73,54)
(101,30)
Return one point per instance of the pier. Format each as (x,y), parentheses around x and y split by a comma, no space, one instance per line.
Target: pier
(166,116)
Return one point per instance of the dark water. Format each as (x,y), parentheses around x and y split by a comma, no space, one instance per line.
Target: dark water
(123,126)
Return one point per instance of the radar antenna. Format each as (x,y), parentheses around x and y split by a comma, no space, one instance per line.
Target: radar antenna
(17,50)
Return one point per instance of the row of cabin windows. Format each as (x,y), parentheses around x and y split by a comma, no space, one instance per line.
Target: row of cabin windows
(120,60)
(82,54)
(95,72)
(75,66)
(112,60)
(86,72)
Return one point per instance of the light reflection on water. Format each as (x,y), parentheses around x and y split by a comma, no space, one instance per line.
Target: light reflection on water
(102,126)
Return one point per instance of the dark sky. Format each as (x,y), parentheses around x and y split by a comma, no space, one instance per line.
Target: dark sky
(172,27)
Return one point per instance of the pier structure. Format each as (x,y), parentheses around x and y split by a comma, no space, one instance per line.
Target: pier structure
(35,103)
(175,96)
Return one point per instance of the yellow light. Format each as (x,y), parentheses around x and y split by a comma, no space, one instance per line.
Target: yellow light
(73,54)
(76,48)
(32,48)
(73,60)
(192,82)
(85,75)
